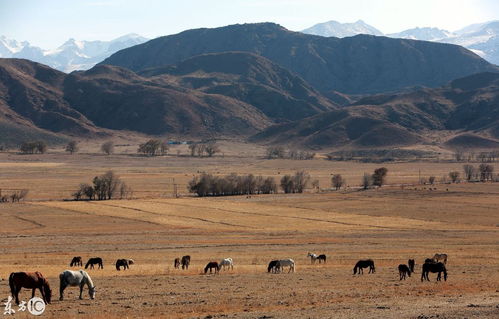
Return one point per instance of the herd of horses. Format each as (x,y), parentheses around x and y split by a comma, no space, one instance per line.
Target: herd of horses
(80,278)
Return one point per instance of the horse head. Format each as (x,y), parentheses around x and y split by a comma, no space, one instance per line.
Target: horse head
(47,291)
(91,292)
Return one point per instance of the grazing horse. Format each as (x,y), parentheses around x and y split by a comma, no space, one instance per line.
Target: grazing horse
(404,270)
(176,263)
(433,267)
(212,265)
(186,260)
(76,278)
(273,266)
(364,264)
(76,261)
(439,257)
(314,257)
(92,261)
(286,263)
(30,280)
(411,263)
(122,263)
(226,263)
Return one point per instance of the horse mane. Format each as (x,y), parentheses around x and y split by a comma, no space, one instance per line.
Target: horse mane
(87,279)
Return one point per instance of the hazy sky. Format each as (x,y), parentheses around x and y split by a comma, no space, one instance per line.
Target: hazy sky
(48,23)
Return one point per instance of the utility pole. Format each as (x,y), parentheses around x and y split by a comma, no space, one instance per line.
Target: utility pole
(175,192)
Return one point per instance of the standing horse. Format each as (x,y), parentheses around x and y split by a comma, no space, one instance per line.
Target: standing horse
(93,261)
(226,263)
(286,263)
(273,266)
(364,264)
(433,267)
(76,261)
(411,263)
(186,260)
(122,263)
(403,271)
(321,258)
(314,258)
(439,257)
(76,278)
(212,265)
(30,280)
(176,263)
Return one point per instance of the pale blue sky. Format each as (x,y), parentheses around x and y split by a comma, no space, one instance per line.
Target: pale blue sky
(48,23)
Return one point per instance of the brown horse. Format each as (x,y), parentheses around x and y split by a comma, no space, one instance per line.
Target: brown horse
(186,260)
(76,261)
(30,280)
(411,263)
(176,263)
(404,271)
(212,265)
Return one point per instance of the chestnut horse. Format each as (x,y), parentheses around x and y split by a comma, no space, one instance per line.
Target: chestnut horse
(212,265)
(76,261)
(30,280)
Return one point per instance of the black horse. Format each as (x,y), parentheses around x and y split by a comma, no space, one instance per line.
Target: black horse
(404,271)
(95,261)
(273,266)
(210,266)
(321,258)
(411,263)
(186,260)
(364,264)
(76,261)
(176,263)
(122,263)
(433,267)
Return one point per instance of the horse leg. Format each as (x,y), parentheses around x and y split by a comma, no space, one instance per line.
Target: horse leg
(33,292)
(16,294)
(61,290)
(81,290)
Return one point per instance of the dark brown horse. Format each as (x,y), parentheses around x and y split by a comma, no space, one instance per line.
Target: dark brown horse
(364,264)
(186,260)
(210,266)
(433,267)
(411,263)
(76,261)
(95,261)
(321,258)
(273,266)
(176,263)
(30,280)
(122,263)
(404,271)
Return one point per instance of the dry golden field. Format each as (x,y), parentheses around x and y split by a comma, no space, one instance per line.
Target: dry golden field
(388,225)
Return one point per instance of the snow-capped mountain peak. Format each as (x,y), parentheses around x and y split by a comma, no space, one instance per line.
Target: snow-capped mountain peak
(340,30)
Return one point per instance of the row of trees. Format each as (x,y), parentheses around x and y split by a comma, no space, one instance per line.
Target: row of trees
(16,196)
(233,184)
(33,147)
(106,186)
(154,147)
(486,157)
(200,149)
(274,152)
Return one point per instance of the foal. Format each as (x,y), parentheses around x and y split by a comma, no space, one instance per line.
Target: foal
(176,263)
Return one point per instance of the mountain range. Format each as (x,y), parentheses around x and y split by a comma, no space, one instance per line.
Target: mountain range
(70,56)
(264,83)
(481,38)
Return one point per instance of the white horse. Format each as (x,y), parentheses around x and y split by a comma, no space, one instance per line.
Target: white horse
(286,263)
(226,262)
(313,257)
(76,278)
(439,257)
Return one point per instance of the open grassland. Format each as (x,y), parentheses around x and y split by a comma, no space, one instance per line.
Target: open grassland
(388,225)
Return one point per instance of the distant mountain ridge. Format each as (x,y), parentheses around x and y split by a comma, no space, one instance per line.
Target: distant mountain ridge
(341,30)
(355,65)
(70,56)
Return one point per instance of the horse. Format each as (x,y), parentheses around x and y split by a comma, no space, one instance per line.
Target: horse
(76,278)
(122,263)
(439,257)
(212,265)
(186,260)
(433,267)
(314,257)
(226,263)
(286,263)
(404,271)
(92,261)
(176,263)
(273,266)
(30,280)
(411,263)
(321,258)
(364,264)
(429,260)
(76,261)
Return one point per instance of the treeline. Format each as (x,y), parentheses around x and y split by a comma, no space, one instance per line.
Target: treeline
(33,147)
(274,152)
(485,157)
(16,196)
(202,149)
(233,184)
(103,187)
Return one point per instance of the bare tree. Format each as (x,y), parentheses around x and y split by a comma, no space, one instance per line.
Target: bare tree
(337,181)
(72,147)
(454,176)
(211,149)
(431,180)
(275,152)
(288,184)
(33,147)
(469,171)
(366,181)
(107,147)
(192,148)
(379,176)
(486,172)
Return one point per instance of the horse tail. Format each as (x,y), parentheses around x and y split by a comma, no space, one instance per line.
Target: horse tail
(87,264)
(11,284)
(355,270)
(206,269)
